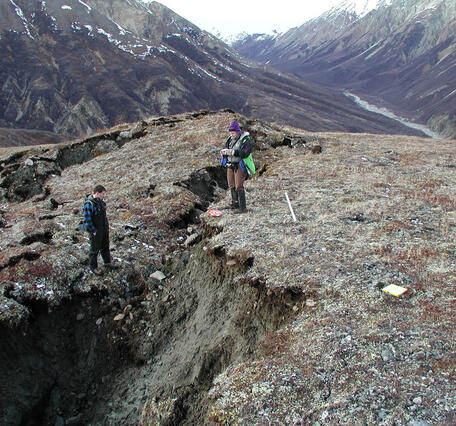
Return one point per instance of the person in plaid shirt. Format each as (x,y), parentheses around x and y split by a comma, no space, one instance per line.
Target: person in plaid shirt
(96,224)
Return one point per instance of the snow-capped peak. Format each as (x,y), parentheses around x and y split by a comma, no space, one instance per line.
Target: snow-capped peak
(230,39)
(360,7)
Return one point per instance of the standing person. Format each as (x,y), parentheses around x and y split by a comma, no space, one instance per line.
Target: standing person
(237,147)
(96,224)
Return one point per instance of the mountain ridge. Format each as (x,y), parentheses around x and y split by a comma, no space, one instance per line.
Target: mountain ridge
(74,69)
(401,53)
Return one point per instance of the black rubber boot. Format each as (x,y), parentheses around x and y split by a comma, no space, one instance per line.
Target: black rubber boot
(234,199)
(242,204)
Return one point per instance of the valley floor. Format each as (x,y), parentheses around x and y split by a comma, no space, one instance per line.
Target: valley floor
(387,113)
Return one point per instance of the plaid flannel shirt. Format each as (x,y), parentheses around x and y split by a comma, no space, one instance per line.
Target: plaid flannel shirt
(89,210)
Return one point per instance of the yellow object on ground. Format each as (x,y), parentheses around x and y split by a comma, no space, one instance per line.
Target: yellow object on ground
(395,290)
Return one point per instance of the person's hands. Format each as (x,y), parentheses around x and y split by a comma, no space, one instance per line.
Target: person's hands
(227,151)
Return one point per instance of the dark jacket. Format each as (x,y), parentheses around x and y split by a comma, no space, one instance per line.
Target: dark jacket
(95,219)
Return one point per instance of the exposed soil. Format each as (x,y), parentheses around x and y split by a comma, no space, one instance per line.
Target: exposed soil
(77,366)
(237,319)
(73,364)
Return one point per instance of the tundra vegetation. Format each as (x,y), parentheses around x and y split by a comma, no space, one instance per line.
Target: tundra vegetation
(236,319)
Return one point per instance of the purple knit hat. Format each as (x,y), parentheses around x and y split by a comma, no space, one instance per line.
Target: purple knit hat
(234,126)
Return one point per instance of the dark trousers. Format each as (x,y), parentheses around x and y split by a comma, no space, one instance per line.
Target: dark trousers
(99,243)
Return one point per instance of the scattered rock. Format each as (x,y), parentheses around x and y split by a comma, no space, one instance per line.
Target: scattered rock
(419,423)
(119,317)
(357,217)
(73,421)
(418,400)
(158,275)
(346,339)
(127,134)
(192,239)
(388,355)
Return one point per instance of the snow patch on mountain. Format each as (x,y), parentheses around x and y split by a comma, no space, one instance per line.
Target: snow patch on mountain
(21,15)
(122,31)
(360,8)
(89,9)
(234,38)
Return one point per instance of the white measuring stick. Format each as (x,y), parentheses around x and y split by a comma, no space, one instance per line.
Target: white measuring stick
(291,208)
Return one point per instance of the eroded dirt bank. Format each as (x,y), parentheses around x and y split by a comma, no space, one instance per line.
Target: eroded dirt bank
(75,365)
(203,320)
(51,366)
(86,350)
(256,318)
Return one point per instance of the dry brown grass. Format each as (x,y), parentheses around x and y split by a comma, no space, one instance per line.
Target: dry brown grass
(371,211)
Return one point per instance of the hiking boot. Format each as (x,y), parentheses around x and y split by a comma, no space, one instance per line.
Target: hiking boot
(242,203)
(96,271)
(234,201)
(111,266)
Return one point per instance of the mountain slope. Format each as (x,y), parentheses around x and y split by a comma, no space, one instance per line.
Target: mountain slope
(403,52)
(72,68)
(25,137)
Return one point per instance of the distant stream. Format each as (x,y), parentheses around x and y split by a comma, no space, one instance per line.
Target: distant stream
(390,114)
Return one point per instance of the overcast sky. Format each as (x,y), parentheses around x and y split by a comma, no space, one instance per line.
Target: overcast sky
(252,16)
